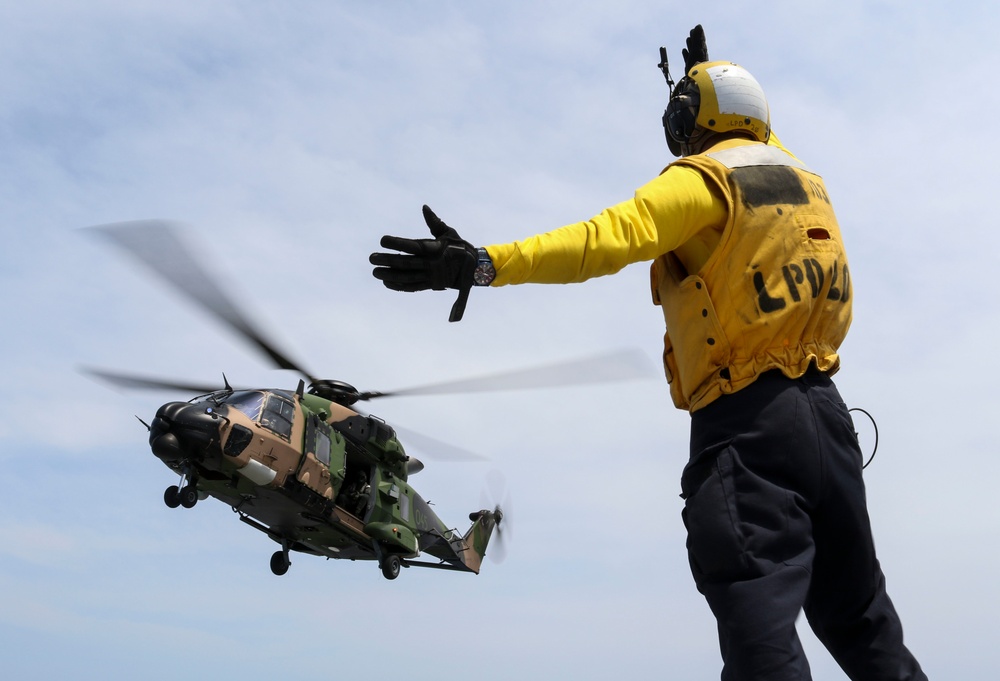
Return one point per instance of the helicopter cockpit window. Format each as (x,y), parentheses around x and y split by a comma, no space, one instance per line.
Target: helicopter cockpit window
(279,412)
(247,401)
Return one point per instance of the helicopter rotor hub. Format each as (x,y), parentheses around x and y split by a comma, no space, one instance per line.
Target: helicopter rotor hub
(336,391)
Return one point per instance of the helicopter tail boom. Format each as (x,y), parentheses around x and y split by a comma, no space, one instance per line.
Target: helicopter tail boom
(463,553)
(478,538)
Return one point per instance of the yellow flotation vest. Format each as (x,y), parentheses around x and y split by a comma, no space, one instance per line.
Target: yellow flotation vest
(774,294)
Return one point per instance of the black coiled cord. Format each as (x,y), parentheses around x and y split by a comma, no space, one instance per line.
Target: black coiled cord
(874,425)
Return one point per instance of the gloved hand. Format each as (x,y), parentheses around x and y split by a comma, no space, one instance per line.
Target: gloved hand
(697,50)
(446,261)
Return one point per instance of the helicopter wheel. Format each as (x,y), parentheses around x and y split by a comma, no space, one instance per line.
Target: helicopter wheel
(390,566)
(172,496)
(279,563)
(188,496)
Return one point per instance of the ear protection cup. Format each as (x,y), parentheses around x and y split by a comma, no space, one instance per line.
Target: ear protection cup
(681,115)
(672,144)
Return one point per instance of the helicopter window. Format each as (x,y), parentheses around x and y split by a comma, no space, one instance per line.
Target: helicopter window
(323,447)
(404,506)
(247,402)
(278,415)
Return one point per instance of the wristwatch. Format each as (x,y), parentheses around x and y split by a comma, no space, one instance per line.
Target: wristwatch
(485,273)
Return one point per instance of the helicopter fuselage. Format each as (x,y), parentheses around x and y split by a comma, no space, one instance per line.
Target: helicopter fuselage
(314,475)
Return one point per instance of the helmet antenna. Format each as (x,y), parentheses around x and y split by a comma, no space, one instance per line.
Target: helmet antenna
(665,67)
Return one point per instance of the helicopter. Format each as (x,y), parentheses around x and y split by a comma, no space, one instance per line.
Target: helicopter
(306,467)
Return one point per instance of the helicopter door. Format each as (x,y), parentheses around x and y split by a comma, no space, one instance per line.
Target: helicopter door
(322,465)
(356,493)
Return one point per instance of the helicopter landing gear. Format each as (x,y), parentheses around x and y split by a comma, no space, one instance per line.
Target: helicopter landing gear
(188,495)
(390,566)
(183,494)
(172,497)
(280,561)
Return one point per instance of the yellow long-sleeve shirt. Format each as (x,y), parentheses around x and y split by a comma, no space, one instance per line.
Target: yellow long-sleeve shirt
(677,211)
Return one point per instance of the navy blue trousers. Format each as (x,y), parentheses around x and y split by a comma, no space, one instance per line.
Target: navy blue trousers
(778,523)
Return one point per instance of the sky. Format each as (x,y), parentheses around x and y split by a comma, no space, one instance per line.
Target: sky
(288,138)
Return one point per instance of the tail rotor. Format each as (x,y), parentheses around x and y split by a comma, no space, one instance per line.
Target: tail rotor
(496,496)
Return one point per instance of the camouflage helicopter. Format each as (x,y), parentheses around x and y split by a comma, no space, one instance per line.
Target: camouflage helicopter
(304,466)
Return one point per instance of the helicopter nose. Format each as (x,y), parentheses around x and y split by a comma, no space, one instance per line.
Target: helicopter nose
(181,430)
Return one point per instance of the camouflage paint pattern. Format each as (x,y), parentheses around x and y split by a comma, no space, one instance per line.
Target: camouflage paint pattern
(318,477)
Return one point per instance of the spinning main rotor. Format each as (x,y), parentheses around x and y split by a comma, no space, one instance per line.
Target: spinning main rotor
(157,245)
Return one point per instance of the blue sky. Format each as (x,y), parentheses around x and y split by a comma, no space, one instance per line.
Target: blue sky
(289,137)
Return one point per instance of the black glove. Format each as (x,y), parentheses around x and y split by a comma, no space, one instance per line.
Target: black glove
(697,50)
(446,261)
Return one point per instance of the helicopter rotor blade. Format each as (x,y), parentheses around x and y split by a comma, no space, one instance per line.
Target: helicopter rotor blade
(133,382)
(432,448)
(623,365)
(158,246)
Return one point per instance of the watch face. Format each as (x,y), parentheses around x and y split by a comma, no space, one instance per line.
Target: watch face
(484,275)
